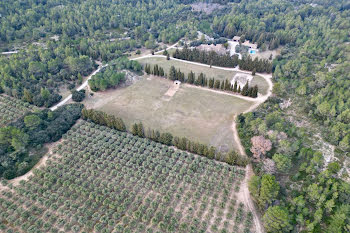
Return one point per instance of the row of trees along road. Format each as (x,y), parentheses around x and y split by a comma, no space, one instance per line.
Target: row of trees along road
(201,80)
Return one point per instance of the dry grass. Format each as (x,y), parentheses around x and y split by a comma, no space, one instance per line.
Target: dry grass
(200,115)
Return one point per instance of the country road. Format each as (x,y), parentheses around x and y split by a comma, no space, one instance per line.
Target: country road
(84,84)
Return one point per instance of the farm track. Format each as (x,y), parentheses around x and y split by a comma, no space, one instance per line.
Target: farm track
(244,193)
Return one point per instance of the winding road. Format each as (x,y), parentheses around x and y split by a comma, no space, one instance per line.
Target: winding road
(86,82)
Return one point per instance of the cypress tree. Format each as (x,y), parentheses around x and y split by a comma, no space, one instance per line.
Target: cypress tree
(211,83)
(227,86)
(191,77)
(172,73)
(222,85)
(140,130)
(250,92)
(217,84)
(235,87)
(161,71)
(134,129)
(255,91)
(245,89)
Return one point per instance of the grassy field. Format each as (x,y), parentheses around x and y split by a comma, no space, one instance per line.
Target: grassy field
(103,180)
(209,72)
(197,114)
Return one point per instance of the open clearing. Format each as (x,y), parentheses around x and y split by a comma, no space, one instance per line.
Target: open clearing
(102,180)
(197,69)
(197,114)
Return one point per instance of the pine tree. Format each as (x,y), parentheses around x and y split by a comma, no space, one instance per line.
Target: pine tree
(239,89)
(27,96)
(277,219)
(80,79)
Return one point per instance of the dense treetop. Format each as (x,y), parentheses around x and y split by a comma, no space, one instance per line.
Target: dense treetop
(34,19)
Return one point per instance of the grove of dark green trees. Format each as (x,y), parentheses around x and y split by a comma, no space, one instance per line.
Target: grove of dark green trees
(215,59)
(24,137)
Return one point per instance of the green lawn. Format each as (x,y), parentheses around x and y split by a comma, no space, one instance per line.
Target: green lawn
(200,115)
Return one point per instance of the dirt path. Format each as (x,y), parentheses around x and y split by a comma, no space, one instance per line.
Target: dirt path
(81,87)
(244,194)
(16,180)
(236,137)
(258,100)
(85,84)
(41,163)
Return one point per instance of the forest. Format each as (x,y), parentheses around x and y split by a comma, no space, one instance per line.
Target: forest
(32,20)
(215,59)
(296,187)
(29,133)
(36,75)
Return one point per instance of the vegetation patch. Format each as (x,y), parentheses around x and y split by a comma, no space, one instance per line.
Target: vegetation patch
(11,109)
(103,180)
(196,114)
(186,68)
(23,138)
